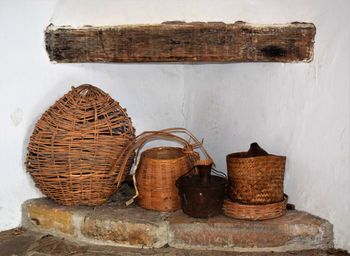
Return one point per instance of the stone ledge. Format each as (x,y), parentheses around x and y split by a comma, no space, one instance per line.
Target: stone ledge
(129,226)
(295,231)
(44,215)
(23,242)
(117,225)
(110,224)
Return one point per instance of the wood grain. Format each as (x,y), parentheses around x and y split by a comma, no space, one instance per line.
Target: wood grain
(182,42)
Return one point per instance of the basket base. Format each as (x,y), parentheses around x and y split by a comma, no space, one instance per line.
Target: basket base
(255,212)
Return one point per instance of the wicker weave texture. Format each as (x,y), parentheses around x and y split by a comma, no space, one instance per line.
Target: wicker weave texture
(255,180)
(158,169)
(255,212)
(156,175)
(74,145)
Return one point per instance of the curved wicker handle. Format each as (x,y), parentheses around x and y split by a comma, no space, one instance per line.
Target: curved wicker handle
(167,134)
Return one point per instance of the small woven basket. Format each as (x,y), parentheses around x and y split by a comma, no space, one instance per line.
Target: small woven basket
(255,212)
(75,144)
(255,180)
(157,169)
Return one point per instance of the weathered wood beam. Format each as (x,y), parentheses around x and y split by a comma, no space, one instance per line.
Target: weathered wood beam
(182,42)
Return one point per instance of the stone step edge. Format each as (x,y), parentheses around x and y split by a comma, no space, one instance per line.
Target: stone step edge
(69,225)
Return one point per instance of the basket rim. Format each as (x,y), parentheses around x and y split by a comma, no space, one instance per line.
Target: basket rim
(241,155)
(148,153)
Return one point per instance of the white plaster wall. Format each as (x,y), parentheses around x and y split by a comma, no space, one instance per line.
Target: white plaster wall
(29,84)
(299,110)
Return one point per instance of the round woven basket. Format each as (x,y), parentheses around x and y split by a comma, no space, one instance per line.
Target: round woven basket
(157,169)
(255,180)
(157,172)
(74,146)
(255,212)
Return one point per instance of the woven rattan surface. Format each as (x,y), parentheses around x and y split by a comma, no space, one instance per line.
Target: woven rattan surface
(255,212)
(158,170)
(255,180)
(74,145)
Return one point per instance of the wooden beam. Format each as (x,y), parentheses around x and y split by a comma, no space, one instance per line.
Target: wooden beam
(182,42)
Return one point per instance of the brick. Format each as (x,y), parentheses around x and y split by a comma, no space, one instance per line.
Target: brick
(294,231)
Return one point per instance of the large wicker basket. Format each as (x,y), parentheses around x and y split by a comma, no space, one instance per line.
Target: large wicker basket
(255,180)
(75,144)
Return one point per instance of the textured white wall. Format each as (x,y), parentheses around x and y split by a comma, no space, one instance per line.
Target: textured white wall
(152,94)
(299,110)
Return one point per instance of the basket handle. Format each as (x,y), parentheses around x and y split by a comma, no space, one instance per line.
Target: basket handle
(188,150)
(166,134)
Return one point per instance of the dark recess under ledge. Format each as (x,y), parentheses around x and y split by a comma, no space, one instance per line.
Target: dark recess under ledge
(182,42)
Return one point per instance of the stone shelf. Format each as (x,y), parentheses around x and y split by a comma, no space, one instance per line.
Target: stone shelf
(117,225)
(23,242)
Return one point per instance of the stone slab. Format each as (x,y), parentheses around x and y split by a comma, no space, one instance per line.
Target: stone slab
(117,225)
(46,216)
(129,226)
(295,231)
(110,224)
(22,242)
